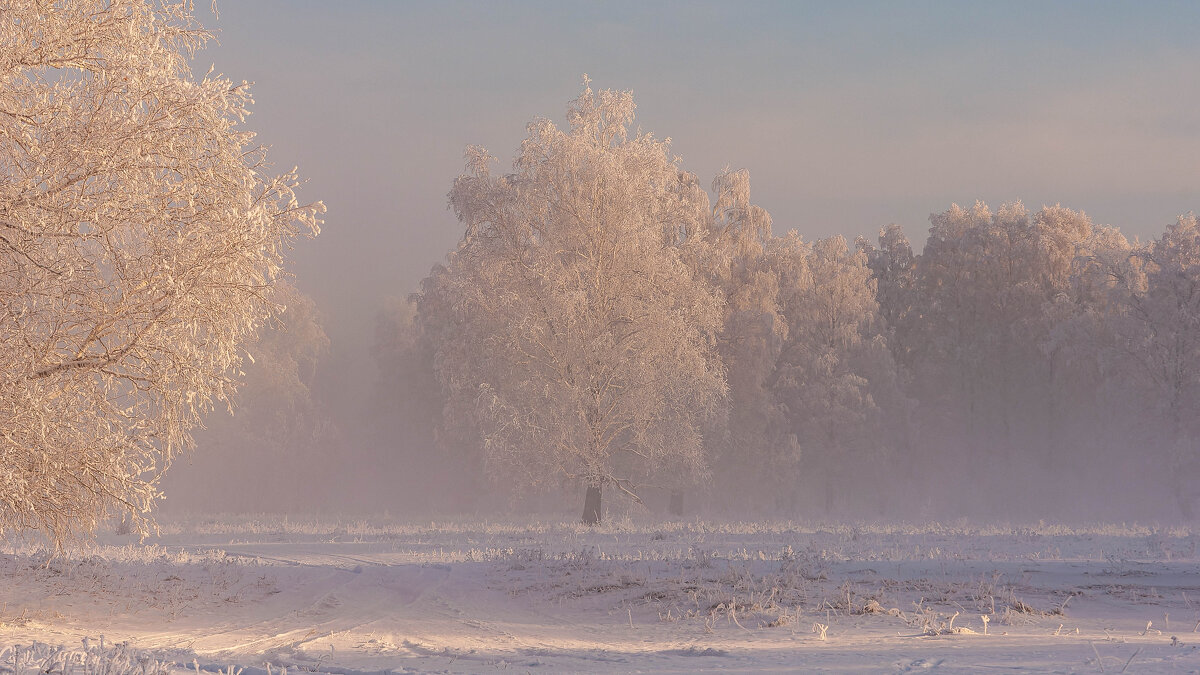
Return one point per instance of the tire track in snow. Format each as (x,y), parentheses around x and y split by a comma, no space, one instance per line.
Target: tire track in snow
(354,593)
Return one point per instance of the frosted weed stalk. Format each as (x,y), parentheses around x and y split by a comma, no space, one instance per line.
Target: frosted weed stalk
(91,659)
(749,590)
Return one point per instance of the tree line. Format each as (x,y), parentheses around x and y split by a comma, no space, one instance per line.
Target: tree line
(605,323)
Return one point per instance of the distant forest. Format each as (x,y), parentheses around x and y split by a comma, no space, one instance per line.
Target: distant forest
(1021,361)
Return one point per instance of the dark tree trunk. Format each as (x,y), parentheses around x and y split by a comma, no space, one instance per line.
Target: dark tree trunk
(1181,485)
(591,505)
(676,506)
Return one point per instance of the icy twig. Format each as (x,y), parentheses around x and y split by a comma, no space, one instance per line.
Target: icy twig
(733,615)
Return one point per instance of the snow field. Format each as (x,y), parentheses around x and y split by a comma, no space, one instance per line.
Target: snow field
(628,596)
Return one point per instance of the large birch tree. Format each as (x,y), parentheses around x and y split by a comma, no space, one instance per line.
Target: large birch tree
(578,340)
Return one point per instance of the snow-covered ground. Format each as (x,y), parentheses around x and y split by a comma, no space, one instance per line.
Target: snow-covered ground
(472,596)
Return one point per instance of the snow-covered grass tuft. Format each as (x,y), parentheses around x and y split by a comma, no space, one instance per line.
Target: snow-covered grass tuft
(89,659)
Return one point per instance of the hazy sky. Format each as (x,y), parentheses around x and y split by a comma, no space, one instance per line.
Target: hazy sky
(848,115)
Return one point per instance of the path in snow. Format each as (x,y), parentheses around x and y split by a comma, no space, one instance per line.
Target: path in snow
(660,597)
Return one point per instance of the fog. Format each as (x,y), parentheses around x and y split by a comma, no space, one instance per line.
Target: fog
(1036,389)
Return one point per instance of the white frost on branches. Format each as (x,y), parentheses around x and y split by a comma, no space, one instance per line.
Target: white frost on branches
(140,239)
(573,331)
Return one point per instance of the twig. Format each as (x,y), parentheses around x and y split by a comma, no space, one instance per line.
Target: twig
(1099,660)
(733,615)
(1131,657)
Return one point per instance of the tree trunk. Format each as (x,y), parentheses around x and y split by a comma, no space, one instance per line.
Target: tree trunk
(676,506)
(1182,473)
(591,505)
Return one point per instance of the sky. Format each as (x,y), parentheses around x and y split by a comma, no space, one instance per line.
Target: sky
(848,115)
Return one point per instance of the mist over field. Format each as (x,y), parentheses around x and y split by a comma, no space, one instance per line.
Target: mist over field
(1025,363)
(598,337)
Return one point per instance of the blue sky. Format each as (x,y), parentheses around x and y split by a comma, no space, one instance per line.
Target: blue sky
(848,115)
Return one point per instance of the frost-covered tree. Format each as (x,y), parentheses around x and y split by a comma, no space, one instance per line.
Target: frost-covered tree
(740,255)
(966,273)
(894,268)
(277,449)
(1157,340)
(404,363)
(1170,311)
(833,372)
(998,332)
(140,239)
(812,385)
(987,285)
(578,337)
(408,411)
